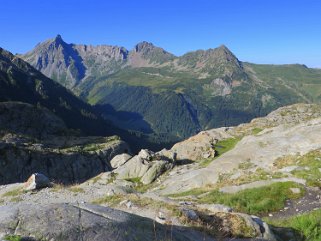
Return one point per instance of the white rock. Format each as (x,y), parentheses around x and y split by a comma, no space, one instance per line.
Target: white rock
(129,204)
(295,190)
(120,160)
(160,220)
(161,215)
(145,154)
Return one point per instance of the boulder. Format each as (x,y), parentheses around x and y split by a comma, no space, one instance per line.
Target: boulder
(190,214)
(201,145)
(37,181)
(169,154)
(145,154)
(147,166)
(119,160)
(135,167)
(239,225)
(156,169)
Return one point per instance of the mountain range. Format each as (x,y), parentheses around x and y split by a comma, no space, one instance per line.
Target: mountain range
(216,185)
(20,82)
(151,91)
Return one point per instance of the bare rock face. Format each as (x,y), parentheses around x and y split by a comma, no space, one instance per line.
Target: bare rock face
(58,60)
(69,63)
(220,87)
(68,222)
(69,164)
(34,140)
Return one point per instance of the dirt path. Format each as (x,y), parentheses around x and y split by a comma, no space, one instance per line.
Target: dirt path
(309,202)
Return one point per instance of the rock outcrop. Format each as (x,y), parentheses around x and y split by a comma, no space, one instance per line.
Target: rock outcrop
(200,146)
(293,130)
(34,140)
(120,160)
(68,222)
(146,166)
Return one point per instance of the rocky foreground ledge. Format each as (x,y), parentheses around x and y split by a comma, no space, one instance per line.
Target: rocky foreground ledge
(84,222)
(214,186)
(88,222)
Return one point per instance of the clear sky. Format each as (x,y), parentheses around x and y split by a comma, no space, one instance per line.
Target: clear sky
(259,31)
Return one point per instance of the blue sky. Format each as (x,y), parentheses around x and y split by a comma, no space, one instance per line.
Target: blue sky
(259,31)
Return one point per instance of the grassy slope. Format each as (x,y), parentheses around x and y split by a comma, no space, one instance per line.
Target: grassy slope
(308,226)
(306,80)
(257,201)
(282,85)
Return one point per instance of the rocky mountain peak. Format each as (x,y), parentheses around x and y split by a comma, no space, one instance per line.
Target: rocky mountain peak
(220,61)
(57,41)
(146,54)
(58,60)
(223,51)
(144,46)
(224,47)
(58,37)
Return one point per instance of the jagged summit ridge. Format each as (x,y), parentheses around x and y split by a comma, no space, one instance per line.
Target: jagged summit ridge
(198,90)
(144,45)
(71,64)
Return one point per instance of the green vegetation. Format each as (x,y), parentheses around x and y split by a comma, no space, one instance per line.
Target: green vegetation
(257,201)
(307,225)
(111,200)
(16,199)
(13,238)
(76,189)
(112,177)
(226,145)
(184,96)
(134,180)
(309,166)
(210,224)
(221,147)
(97,144)
(139,186)
(246,165)
(251,176)
(193,192)
(138,201)
(14,192)
(256,130)
(296,76)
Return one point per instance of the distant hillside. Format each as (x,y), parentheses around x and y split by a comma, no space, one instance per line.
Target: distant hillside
(150,90)
(19,81)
